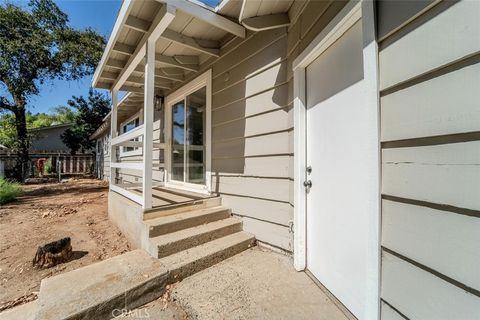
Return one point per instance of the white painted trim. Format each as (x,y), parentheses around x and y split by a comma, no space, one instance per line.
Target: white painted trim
(267,22)
(350,14)
(127,165)
(162,20)
(148,114)
(347,17)
(208,16)
(122,17)
(123,144)
(113,134)
(299,160)
(132,134)
(372,95)
(128,194)
(203,80)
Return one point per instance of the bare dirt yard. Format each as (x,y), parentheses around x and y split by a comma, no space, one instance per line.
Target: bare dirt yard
(49,212)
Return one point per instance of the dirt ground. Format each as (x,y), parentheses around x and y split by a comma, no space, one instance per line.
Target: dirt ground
(49,212)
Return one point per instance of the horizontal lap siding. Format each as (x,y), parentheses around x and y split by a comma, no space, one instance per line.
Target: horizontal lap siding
(252,117)
(430,129)
(419,294)
(251,134)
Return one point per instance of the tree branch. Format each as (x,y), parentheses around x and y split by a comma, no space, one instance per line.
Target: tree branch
(6,105)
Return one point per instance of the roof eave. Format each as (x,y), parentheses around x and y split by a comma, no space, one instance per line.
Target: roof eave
(121,18)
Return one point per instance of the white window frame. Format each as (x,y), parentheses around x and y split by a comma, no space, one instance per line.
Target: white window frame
(138,151)
(106,143)
(203,80)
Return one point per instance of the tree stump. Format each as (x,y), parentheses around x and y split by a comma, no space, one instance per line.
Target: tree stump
(53,253)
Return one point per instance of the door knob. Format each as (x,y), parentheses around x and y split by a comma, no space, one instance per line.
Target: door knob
(307,183)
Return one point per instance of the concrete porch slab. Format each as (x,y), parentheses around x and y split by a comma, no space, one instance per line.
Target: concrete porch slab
(255,284)
(93,292)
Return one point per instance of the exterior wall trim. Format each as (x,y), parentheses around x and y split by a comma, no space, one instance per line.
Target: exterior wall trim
(334,30)
(203,80)
(350,14)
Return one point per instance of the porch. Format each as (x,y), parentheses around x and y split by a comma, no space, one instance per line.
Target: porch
(167,198)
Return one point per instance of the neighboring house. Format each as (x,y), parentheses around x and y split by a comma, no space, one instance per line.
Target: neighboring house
(46,143)
(344,133)
(48,139)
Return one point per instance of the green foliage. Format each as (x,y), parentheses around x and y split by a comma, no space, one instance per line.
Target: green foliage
(37,44)
(48,168)
(9,191)
(8,135)
(89,116)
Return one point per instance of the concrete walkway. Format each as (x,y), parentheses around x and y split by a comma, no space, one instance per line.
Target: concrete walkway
(255,284)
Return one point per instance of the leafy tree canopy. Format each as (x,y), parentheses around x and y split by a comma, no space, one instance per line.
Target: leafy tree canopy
(89,116)
(58,115)
(37,44)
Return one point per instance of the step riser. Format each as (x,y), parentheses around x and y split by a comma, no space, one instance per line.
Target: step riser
(174,209)
(131,299)
(198,239)
(186,270)
(194,221)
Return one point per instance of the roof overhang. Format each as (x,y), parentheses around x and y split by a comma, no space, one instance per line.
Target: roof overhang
(186,34)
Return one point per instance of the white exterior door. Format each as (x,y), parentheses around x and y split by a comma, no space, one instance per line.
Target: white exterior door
(340,140)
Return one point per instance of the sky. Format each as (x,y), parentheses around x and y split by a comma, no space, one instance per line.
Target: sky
(97,14)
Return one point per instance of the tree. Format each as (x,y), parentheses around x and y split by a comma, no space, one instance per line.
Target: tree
(89,116)
(37,45)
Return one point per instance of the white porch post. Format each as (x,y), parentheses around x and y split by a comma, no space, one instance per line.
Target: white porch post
(148,124)
(113,134)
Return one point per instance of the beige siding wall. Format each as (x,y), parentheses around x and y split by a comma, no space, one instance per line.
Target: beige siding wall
(252,123)
(430,131)
(250,136)
(252,117)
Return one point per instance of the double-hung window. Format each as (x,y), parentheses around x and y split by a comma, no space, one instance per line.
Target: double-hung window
(129,125)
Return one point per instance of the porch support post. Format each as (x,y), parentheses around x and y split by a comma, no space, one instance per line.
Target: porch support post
(113,134)
(148,124)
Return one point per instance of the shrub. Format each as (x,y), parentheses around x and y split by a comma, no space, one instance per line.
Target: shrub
(47,168)
(9,191)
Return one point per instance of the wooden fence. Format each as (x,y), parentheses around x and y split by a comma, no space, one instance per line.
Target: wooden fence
(64,164)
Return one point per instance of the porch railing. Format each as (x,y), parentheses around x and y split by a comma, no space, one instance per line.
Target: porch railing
(133,138)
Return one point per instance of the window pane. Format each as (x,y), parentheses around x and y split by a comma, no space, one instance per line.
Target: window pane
(178,138)
(195,136)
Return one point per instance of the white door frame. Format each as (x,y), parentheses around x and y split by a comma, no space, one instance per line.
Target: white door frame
(203,80)
(346,18)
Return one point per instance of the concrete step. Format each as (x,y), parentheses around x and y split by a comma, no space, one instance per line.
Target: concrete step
(24,312)
(184,220)
(99,290)
(190,261)
(171,243)
(182,207)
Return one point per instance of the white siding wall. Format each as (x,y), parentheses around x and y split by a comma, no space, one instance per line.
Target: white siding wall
(430,129)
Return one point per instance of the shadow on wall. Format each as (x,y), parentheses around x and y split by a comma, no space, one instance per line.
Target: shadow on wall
(242,99)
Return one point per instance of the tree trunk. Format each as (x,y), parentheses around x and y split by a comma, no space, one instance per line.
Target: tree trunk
(21,168)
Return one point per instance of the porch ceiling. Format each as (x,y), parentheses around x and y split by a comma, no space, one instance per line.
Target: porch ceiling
(194,38)
(188,42)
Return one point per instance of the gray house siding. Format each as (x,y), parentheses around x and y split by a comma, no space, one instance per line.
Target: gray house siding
(430,119)
(48,139)
(252,124)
